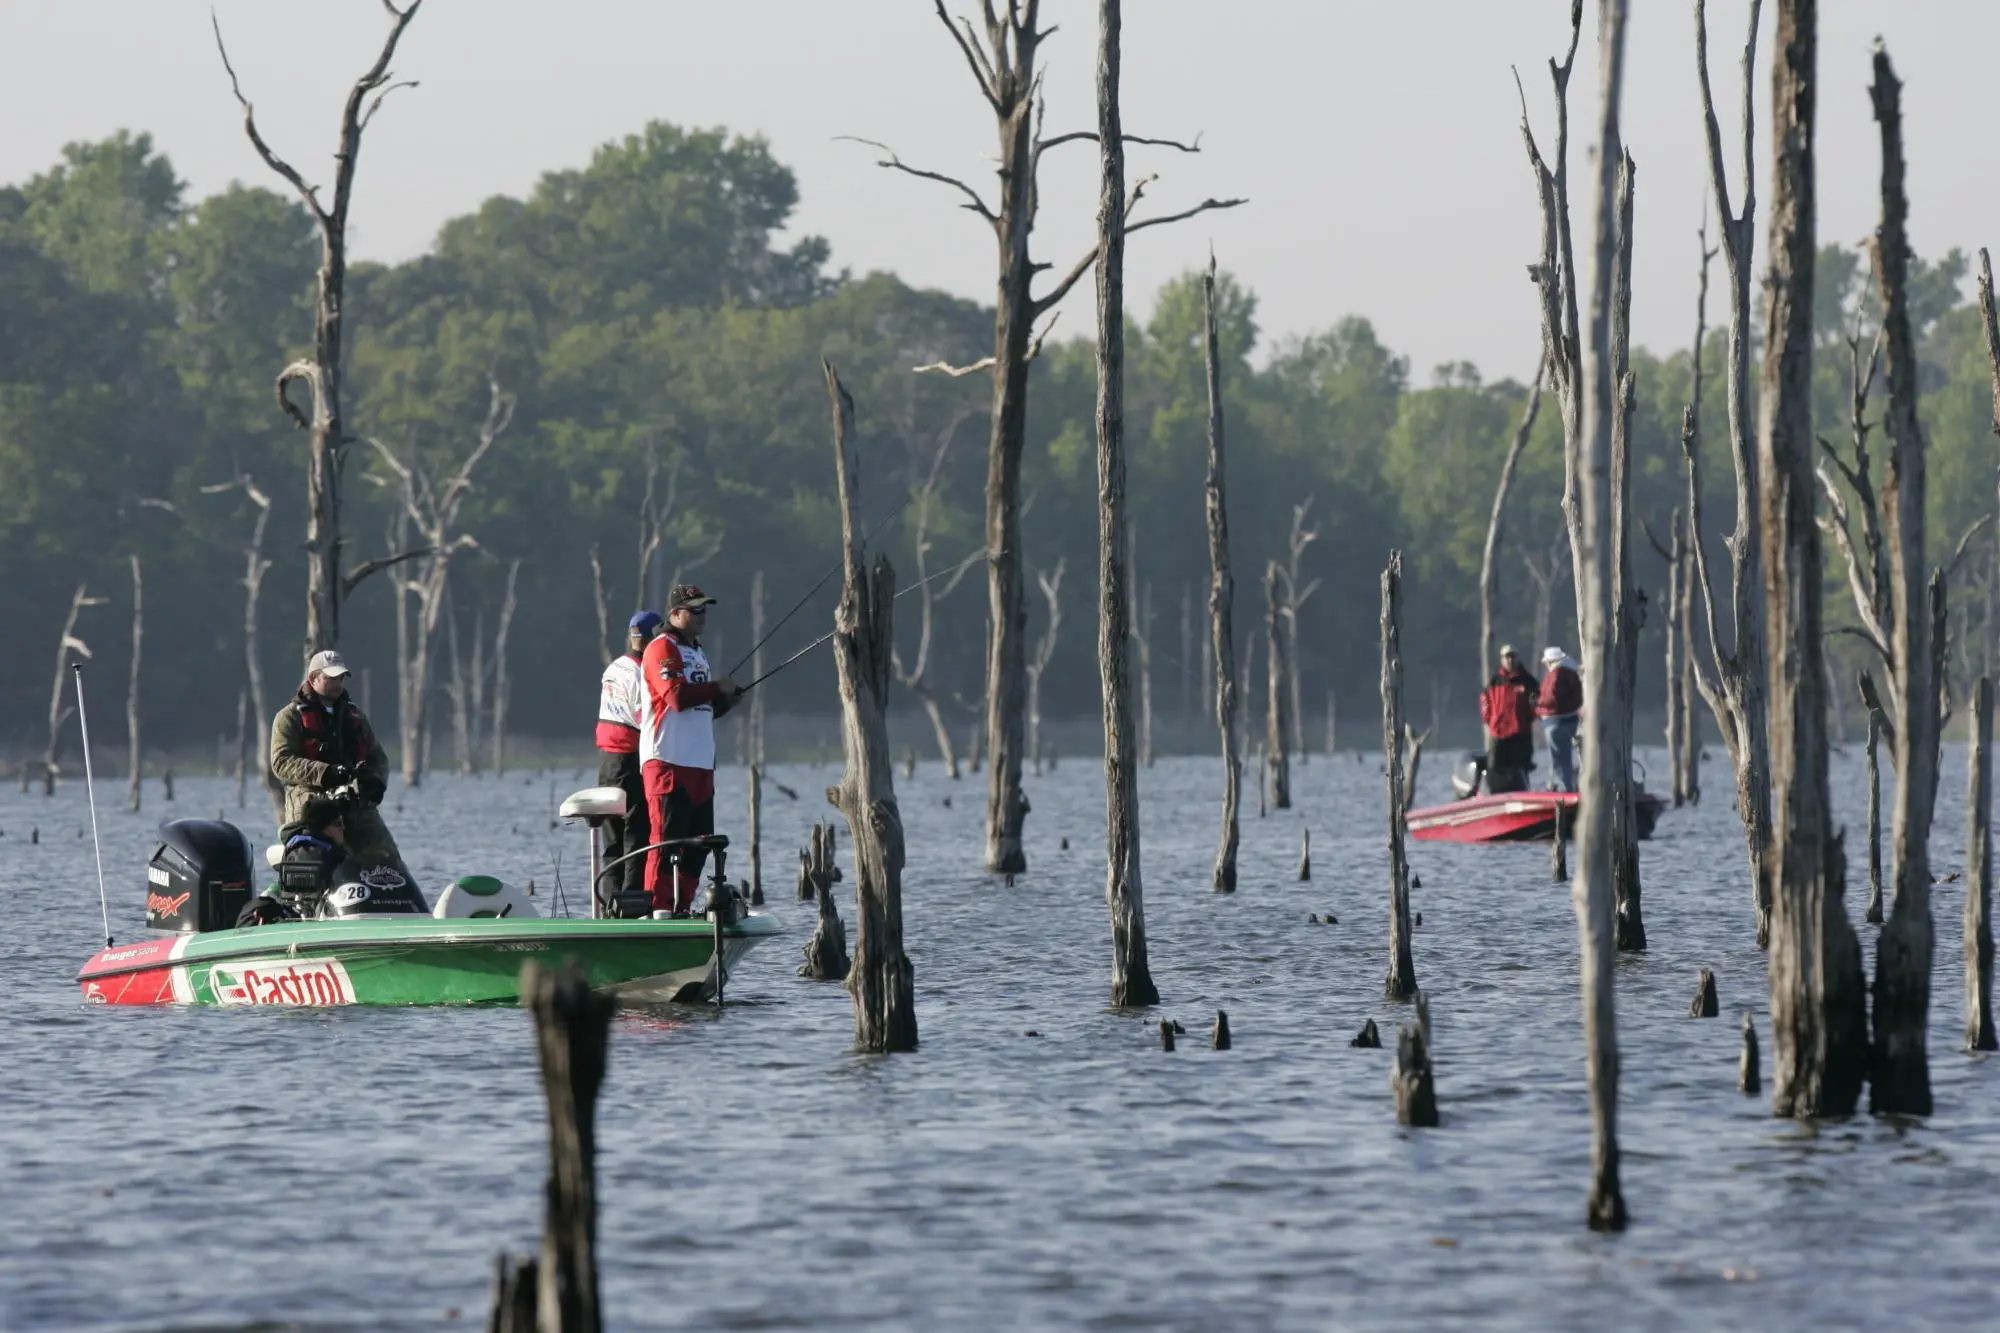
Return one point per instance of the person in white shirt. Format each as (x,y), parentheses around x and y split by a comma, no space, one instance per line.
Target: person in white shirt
(677,744)
(621,702)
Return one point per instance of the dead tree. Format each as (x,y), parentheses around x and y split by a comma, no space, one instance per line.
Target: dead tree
(1818,1004)
(1603,402)
(912,678)
(1732,680)
(1979,874)
(1045,651)
(1131,975)
(134,749)
(1627,610)
(1221,593)
(1683,685)
(255,566)
(1676,557)
(321,373)
(1277,693)
(432,510)
(1293,599)
(881,981)
(60,708)
(502,686)
(1142,644)
(572,1035)
(1401,983)
(1899,1076)
(1546,571)
(1001,54)
(1489,559)
(756,718)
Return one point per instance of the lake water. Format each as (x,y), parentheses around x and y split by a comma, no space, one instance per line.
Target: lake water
(1040,1163)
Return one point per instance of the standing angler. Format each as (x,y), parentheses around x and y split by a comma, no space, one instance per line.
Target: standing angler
(620,708)
(324,752)
(677,744)
(1508,710)
(1561,709)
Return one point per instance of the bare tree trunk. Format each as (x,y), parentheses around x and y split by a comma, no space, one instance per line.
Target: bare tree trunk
(608,646)
(1733,682)
(1143,640)
(135,747)
(1045,648)
(1606,712)
(1690,752)
(881,981)
(1401,982)
(1900,1074)
(1131,975)
(321,373)
(1627,612)
(1221,593)
(242,748)
(1489,559)
(913,678)
(1185,712)
(1818,1004)
(1873,915)
(1294,599)
(1277,694)
(757,696)
(59,707)
(756,827)
(475,689)
(1979,874)
(461,731)
(502,687)
(1677,719)
(1002,60)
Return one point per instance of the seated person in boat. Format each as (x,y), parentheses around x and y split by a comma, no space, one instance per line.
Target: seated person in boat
(1560,708)
(322,749)
(1508,709)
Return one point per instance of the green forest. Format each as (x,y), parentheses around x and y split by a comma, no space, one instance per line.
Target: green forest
(660,346)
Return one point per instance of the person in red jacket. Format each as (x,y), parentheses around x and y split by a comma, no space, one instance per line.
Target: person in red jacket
(1561,707)
(1508,710)
(677,744)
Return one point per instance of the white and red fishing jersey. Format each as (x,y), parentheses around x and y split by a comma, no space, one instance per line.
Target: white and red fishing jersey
(677,722)
(620,703)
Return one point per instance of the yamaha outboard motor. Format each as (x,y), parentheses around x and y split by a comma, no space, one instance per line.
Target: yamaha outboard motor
(376,891)
(1469,776)
(199,879)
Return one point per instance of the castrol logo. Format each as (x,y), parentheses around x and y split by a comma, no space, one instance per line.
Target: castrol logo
(280,981)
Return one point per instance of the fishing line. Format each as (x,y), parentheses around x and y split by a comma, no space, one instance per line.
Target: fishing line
(838,566)
(949,569)
(90,794)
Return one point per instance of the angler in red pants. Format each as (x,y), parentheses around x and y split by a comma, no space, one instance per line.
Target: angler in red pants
(677,745)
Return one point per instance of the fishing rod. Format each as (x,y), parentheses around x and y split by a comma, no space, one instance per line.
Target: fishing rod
(949,569)
(837,567)
(90,793)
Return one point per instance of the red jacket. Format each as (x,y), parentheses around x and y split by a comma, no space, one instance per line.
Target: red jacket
(1562,693)
(1508,705)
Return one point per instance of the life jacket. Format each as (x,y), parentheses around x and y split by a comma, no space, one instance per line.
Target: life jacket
(621,703)
(677,723)
(320,724)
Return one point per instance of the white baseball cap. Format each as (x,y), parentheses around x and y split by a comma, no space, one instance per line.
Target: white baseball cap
(1551,656)
(327,662)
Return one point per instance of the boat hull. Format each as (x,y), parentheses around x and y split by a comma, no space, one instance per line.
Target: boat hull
(1520,816)
(415,962)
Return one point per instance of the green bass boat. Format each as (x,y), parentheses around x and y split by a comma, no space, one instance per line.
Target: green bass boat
(373,939)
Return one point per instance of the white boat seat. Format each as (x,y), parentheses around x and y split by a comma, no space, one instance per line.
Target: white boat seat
(595,803)
(482,896)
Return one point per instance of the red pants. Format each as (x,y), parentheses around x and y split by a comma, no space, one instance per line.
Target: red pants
(682,802)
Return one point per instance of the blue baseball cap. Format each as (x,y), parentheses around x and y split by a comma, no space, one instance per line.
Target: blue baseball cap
(647,621)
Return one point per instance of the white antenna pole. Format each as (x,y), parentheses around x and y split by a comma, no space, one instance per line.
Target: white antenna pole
(90,794)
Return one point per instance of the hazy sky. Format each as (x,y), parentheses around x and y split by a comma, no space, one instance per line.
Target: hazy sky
(1377,142)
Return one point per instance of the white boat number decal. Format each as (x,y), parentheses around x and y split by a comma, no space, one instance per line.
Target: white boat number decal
(279,981)
(155,875)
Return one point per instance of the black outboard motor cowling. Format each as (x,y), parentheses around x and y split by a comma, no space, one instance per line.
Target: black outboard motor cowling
(199,879)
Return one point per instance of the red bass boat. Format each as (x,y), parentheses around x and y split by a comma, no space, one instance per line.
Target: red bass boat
(1513,816)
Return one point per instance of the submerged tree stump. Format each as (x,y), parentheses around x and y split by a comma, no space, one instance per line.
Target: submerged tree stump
(1305,855)
(880,979)
(1401,983)
(1747,1080)
(572,1031)
(826,951)
(1416,1093)
(1219,1038)
(1706,1004)
(1369,1038)
(817,867)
